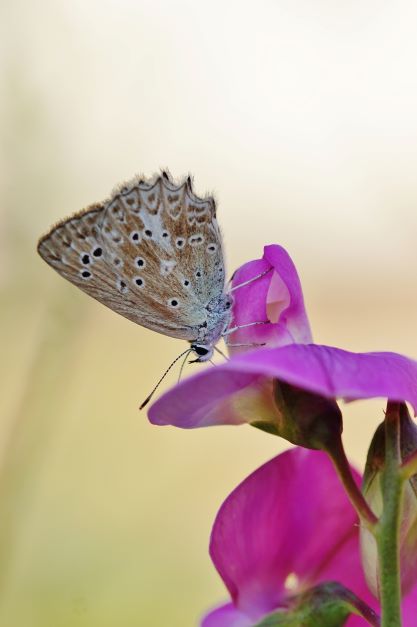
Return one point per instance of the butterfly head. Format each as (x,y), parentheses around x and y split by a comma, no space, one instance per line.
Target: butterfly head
(204,352)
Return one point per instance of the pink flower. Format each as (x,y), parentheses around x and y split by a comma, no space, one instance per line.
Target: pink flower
(240,390)
(287,527)
(275,298)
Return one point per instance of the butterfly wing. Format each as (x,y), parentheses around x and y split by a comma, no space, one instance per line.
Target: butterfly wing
(152,253)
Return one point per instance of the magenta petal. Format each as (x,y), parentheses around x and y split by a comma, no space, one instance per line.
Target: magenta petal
(210,398)
(237,391)
(288,526)
(409,609)
(226,616)
(276,297)
(294,316)
(336,373)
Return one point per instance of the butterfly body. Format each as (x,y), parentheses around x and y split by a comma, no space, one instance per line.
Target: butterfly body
(153,253)
(210,332)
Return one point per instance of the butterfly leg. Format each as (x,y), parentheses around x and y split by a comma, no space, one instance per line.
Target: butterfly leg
(243,326)
(254,278)
(252,344)
(220,352)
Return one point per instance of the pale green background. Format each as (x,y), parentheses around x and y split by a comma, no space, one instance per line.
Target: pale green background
(301,116)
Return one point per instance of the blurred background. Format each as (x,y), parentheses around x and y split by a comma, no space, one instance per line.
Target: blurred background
(301,117)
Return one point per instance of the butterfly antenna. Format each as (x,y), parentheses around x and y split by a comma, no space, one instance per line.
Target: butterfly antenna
(148,398)
(183,364)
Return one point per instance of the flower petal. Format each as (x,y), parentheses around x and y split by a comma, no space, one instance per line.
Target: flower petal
(287,527)
(239,390)
(409,608)
(275,298)
(294,317)
(226,616)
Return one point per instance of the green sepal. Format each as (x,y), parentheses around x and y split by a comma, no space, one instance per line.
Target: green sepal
(264,425)
(305,418)
(326,605)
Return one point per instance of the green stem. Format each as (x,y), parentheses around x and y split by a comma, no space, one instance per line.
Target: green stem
(337,454)
(389,524)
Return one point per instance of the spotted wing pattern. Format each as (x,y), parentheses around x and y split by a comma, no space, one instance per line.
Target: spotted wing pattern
(152,252)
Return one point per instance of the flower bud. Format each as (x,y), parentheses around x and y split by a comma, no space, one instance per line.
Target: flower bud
(372,491)
(304,418)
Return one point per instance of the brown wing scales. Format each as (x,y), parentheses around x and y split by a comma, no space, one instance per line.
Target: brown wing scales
(152,253)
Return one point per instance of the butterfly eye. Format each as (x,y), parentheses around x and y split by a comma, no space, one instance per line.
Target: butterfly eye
(165,234)
(85,259)
(86,274)
(173,302)
(180,241)
(140,262)
(134,236)
(198,274)
(211,248)
(186,283)
(148,233)
(97,252)
(201,351)
(139,281)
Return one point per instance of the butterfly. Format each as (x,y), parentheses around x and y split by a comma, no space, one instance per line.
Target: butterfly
(153,253)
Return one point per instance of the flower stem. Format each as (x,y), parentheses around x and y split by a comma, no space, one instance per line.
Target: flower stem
(337,454)
(387,532)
